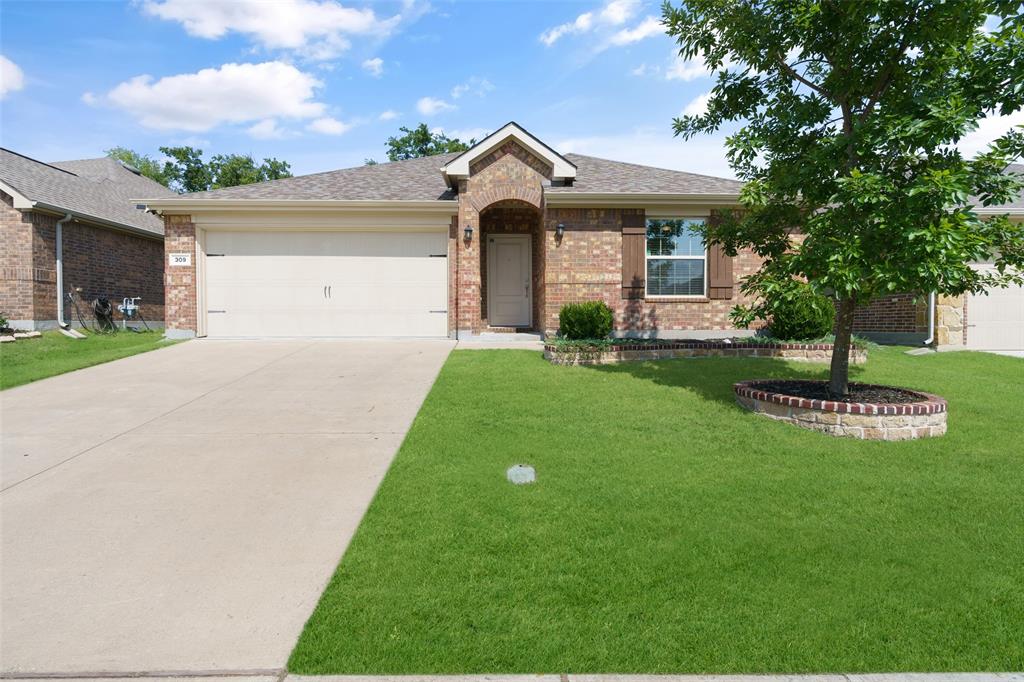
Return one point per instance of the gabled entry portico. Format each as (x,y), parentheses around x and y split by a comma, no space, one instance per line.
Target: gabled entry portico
(500,268)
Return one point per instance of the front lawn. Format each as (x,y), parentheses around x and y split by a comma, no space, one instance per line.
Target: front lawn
(33,359)
(670,531)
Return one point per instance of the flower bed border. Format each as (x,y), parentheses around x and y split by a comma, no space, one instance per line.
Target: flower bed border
(666,350)
(870,421)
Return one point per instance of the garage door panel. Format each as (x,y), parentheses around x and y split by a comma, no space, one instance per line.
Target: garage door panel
(995,320)
(379,284)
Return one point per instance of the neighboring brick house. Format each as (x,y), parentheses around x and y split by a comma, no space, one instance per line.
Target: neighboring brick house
(109,248)
(495,239)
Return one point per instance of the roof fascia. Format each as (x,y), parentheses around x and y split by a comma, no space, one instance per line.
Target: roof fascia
(182,205)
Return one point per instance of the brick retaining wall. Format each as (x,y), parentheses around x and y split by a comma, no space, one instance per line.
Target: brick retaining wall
(626,352)
(868,421)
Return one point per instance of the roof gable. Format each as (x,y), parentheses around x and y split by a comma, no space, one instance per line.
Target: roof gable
(460,167)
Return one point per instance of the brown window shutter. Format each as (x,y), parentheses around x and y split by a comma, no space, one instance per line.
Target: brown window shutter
(634,248)
(720,279)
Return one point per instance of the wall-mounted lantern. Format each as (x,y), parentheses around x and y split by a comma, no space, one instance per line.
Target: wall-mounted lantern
(468,232)
(559,231)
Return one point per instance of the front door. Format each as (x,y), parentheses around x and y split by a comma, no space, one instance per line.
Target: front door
(509,265)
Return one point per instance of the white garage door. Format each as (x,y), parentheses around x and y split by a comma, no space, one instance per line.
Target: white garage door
(996,321)
(326,284)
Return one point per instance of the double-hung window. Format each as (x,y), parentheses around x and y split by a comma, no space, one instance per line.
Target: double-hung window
(676,258)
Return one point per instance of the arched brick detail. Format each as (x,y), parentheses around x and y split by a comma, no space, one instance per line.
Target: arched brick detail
(506,191)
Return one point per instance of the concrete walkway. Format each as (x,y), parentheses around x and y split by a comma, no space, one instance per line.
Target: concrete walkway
(183,509)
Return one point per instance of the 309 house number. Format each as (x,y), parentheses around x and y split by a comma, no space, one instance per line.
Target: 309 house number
(180,259)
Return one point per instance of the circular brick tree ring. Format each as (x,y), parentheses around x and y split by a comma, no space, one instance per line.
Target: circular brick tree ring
(870,421)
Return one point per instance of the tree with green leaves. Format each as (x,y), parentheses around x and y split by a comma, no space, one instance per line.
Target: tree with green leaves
(419,141)
(849,114)
(187,171)
(149,167)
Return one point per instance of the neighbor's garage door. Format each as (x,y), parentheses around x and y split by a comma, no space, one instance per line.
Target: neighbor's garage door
(996,321)
(326,284)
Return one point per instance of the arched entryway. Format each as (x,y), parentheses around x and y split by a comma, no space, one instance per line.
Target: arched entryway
(511,266)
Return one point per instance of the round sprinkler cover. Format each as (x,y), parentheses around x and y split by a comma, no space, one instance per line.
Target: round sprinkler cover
(521,474)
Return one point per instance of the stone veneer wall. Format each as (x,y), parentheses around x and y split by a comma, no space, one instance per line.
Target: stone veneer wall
(867,421)
(801,352)
(951,320)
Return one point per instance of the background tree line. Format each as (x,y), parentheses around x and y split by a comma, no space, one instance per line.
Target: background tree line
(184,169)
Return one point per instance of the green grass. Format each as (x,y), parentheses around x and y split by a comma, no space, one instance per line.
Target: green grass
(32,359)
(670,531)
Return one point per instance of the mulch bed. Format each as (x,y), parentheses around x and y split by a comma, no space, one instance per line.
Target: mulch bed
(858,393)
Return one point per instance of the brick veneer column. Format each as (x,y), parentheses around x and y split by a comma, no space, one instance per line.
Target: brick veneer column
(180,281)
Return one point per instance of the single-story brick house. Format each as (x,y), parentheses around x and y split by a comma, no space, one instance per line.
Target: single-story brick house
(494,239)
(70,225)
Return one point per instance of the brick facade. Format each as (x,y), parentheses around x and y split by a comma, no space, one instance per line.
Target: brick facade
(587,265)
(102,261)
(893,317)
(180,281)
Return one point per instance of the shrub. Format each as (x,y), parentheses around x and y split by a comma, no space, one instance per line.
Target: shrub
(587,320)
(793,310)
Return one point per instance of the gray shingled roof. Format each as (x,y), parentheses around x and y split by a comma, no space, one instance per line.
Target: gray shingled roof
(1017,203)
(412,180)
(604,176)
(101,188)
(421,180)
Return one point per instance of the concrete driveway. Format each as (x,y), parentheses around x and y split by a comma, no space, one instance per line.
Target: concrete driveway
(182,510)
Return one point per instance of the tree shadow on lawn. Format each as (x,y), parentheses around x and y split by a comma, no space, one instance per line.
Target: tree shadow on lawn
(713,378)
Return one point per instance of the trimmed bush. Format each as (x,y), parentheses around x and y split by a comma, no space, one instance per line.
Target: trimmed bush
(792,309)
(805,315)
(587,320)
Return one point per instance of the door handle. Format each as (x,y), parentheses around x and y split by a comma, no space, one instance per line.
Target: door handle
(330,291)
(325,291)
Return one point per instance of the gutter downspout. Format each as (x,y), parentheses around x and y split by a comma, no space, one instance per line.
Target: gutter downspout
(60,271)
(931,320)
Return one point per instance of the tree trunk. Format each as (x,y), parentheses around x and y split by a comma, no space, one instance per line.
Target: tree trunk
(839,374)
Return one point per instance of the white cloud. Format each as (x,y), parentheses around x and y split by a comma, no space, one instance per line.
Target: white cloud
(619,11)
(329,126)
(651,26)
(643,70)
(316,29)
(389,115)
(612,13)
(12,78)
(686,70)
(89,99)
(656,147)
(698,106)
(988,130)
(266,130)
(232,93)
(464,134)
(428,106)
(474,85)
(374,67)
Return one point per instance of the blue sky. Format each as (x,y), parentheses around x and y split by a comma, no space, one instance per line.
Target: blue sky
(323,83)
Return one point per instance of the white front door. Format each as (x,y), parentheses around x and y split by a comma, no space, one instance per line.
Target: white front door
(509,266)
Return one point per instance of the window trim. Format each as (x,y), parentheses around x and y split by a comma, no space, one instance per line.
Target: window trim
(648,256)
